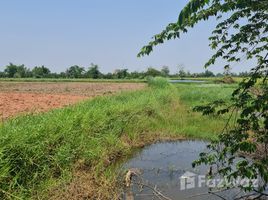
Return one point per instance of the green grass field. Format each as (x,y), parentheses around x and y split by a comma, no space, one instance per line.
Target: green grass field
(41,152)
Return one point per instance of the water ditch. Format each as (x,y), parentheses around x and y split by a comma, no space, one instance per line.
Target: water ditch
(164,171)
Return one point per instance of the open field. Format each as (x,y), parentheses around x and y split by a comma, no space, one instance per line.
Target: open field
(68,153)
(23,97)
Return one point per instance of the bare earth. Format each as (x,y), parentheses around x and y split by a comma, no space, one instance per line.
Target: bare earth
(21,98)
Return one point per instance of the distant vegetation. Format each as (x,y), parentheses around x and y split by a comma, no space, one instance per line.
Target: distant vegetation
(93,72)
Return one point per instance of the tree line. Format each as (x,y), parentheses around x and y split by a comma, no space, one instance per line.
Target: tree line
(21,71)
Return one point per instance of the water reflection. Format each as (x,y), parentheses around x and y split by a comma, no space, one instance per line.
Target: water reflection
(163,167)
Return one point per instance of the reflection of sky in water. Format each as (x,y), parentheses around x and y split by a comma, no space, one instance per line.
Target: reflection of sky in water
(163,164)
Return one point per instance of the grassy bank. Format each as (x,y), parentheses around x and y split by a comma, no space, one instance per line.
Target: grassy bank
(40,154)
(196,94)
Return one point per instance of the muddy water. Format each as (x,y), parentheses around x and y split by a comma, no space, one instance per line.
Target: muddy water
(162,166)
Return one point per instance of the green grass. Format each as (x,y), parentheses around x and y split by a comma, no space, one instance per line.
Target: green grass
(209,79)
(196,94)
(40,151)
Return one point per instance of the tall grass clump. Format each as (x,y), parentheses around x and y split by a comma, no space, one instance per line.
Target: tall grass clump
(158,82)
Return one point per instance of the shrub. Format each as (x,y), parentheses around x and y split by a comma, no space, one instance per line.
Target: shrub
(158,82)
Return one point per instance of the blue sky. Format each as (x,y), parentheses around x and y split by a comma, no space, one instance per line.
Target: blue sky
(62,33)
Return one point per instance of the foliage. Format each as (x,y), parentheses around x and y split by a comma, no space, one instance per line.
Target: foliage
(165,71)
(11,70)
(152,72)
(75,72)
(40,72)
(208,73)
(136,75)
(121,73)
(240,34)
(181,73)
(2,75)
(93,72)
(16,71)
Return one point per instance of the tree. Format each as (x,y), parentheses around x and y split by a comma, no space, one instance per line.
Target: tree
(17,71)
(121,73)
(2,74)
(165,71)
(10,70)
(181,72)
(75,72)
(227,70)
(241,34)
(40,72)
(22,72)
(62,75)
(152,72)
(108,76)
(208,73)
(93,72)
(136,75)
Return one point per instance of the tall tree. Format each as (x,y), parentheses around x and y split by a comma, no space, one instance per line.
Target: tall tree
(182,73)
(152,72)
(10,70)
(17,71)
(93,72)
(2,74)
(240,34)
(121,73)
(40,72)
(75,72)
(136,75)
(165,71)
(208,73)
(22,72)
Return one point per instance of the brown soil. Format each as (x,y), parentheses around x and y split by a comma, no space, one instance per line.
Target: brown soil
(21,98)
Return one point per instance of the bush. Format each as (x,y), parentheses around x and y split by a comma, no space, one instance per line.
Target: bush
(158,82)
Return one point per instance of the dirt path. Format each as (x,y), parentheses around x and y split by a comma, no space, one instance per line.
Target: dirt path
(21,98)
